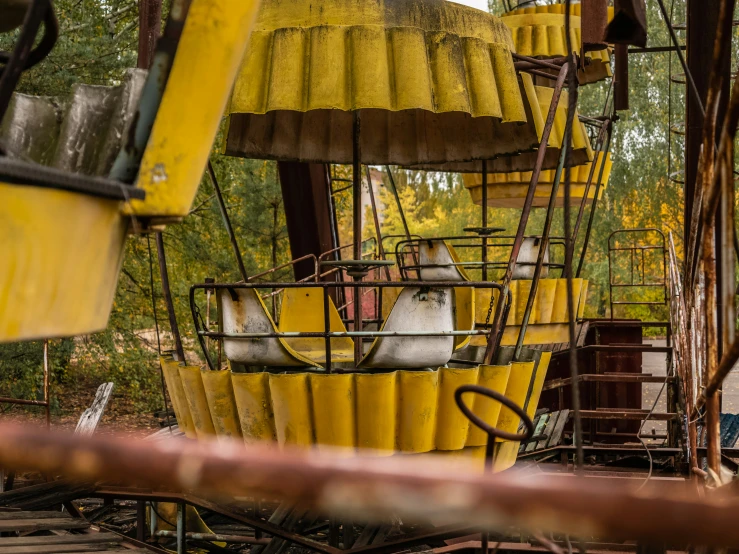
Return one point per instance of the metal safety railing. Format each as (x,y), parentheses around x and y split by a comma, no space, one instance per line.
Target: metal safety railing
(204,332)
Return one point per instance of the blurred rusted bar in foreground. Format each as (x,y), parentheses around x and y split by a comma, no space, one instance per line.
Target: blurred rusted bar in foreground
(414,488)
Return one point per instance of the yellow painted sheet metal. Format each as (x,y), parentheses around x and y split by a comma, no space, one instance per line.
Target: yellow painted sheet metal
(192,384)
(464,314)
(171,371)
(302,310)
(539,31)
(508,190)
(377,420)
(221,403)
(550,303)
(548,323)
(333,409)
(452,434)
(59,273)
(435,81)
(494,377)
(400,411)
(537,100)
(292,408)
(254,406)
(203,72)
(417,406)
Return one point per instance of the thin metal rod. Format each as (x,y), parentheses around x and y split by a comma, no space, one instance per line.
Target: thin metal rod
(181,529)
(591,217)
(168,298)
(357,222)
(543,247)
(498,322)
(569,248)
(600,157)
(47,402)
(216,537)
(484,219)
(156,327)
(679,51)
(227,222)
(376,217)
(394,188)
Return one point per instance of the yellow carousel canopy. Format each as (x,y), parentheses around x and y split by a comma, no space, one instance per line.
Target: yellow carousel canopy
(508,190)
(539,32)
(541,97)
(434,81)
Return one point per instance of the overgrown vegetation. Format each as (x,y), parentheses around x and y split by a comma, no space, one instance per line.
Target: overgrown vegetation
(98,42)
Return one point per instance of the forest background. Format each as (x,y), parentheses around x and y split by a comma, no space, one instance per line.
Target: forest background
(98,41)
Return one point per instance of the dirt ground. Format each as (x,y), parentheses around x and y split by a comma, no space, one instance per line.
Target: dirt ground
(120,416)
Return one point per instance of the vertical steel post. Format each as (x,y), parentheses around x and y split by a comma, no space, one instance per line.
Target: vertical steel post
(150,27)
(484,220)
(357,235)
(180,351)
(181,529)
(47,400)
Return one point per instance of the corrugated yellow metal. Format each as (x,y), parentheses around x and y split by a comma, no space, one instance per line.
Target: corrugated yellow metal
(221,403)
(254,406)
(539,31)
(548,322)
(508,451)
(494,377)
(171,371)
(386,413)
(377,417)
(516,389)
(291,404)
(452,425)
(417,407)
(61,254)
(192,384)
(537,100)
(401,55)
(202,76)
(333,409)
(508,190)
(464,314)
(435,82)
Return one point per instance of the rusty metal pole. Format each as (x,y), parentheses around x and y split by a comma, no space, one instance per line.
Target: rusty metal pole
(227,223)
(376,217)
(180,351)
(150,27)
(47,399)
(570,247)
(484,257)
(357,227)
(498,322)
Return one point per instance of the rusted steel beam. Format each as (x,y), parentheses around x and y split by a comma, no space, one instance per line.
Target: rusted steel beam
(498,321)
(370,488)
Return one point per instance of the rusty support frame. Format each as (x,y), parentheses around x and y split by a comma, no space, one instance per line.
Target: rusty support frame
(498,321)
(370,488)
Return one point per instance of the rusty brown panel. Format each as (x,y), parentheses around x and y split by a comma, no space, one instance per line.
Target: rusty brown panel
(618,395)
(621,86)
(629,23)
(594,23)
(305,193)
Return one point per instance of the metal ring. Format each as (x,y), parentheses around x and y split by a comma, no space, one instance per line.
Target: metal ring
(507,402)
